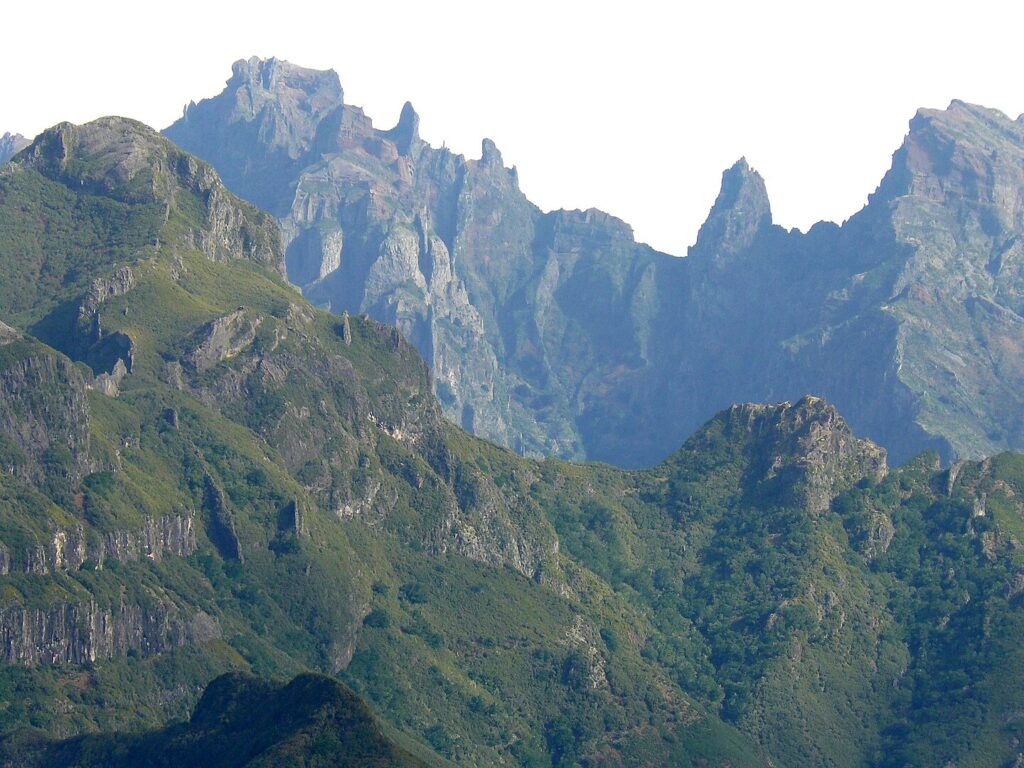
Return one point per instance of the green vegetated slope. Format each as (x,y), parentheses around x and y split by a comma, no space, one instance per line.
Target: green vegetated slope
(242,721)
(203,474)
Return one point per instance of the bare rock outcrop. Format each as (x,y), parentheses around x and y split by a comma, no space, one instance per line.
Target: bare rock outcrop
(44,411)
(11,144)
(222,339)
(70,548)
(222,529)
(806,450)
(79,633)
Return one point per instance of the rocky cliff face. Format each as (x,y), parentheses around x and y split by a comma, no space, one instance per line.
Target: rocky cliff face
(69,549)
(806,448)
(44,412)
(906,316)
(955,197)
(447,249)
(557,334)
(79,633)
(11,144)
(278,490)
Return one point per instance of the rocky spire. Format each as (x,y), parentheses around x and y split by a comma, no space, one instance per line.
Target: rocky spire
(406,134)
(739,213)
(490,156)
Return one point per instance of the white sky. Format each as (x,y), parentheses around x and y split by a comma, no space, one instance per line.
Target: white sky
(633,107)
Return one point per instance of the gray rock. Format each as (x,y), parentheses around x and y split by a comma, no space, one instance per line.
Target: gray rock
(109,383)
(221,521)
(10,145)
(222,339)
(557,334)
(807,448)
(77,633)
(44,412)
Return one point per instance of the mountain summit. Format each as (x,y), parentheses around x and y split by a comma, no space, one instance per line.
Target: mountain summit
(739,214)
(555,333)
(446,248)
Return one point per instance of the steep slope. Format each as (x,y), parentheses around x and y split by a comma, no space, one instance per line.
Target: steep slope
(10,145)
(557,334)
(839,613)
(523,316)
(203,473)
(242,721)
(906,317)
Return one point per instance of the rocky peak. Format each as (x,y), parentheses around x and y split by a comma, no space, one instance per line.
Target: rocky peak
(805,450)
(964,152)
(104,156)
(406,134)
(127,161)
(263,80)
(740,212)
(490,155)
(270,117)
(11,144)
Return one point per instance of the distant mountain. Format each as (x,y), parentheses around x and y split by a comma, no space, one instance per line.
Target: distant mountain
(10,145)
(527,319)
(907,316)
(555,333)
(201,473)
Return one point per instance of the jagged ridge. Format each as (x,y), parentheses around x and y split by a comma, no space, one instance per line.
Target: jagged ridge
(556,334)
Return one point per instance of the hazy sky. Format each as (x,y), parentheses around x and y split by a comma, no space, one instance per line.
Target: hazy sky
(633,107)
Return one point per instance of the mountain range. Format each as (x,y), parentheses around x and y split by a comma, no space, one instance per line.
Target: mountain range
(557,334)
(237,529)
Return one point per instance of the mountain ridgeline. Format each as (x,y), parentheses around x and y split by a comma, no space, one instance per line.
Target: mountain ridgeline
(557,334)
(201,474)
(209,486)
(241,721)
(203,477)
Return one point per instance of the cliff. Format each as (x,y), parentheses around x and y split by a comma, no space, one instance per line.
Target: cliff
(556,334)
(446,248)
(249,483)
